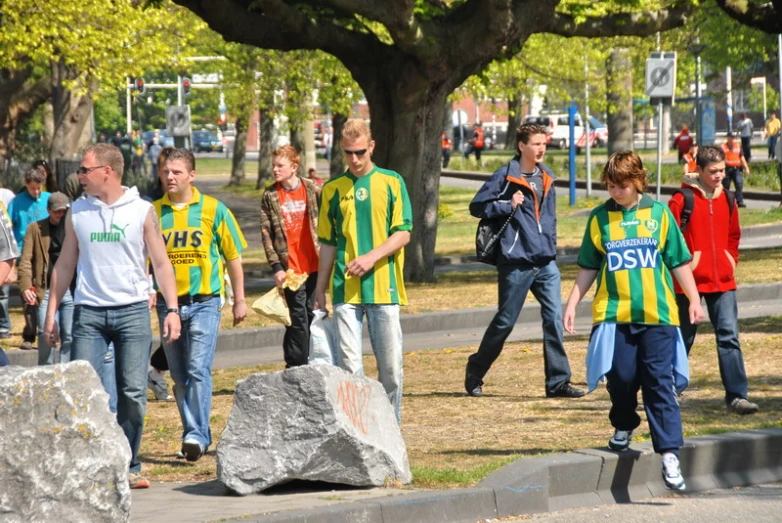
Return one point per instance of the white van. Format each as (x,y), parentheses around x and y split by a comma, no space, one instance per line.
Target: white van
(557,128)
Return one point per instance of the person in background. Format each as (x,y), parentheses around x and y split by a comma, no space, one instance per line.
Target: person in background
(43,242)
(9,252)
(633,244)
(28,207)
(689,164)
(712,233)
(477,142)
(772,130)
(735,163)
(289,231)
(154,148)
(683,142)
(50,180)
(446,149)
(313,175)
(745,133)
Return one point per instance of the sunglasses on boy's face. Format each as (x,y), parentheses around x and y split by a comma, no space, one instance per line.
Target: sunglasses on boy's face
(359,153)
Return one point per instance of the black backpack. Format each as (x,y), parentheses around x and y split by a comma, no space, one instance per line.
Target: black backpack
(689,203)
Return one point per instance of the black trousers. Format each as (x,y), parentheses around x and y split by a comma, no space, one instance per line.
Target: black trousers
(746,149)
(296,342)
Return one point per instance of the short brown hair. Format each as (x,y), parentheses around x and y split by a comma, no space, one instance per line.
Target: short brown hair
(623,167)
(289,152)
(163,156)
(524,131)
(33,175)
(355,128)
(180,153)
(107,154)
(709,154)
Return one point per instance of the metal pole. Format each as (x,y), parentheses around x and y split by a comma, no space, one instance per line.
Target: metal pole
(586,129)
(765,111)
(572,157)
(698,118)
(660,146)
(128,112)
(729,98)
(179,90)
(779,50)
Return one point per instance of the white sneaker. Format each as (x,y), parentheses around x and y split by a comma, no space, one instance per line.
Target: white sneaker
(620,440)
(672,472)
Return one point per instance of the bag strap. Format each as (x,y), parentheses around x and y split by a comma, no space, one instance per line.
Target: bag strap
(689,203)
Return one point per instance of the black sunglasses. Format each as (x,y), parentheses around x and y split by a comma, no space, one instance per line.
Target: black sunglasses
(81,171)
(359,153)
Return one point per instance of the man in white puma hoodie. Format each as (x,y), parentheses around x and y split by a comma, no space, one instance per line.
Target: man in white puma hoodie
(110,234)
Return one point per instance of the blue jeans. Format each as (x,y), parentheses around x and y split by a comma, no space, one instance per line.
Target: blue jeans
(385,334)
(128,328)
(772,146)
(190,362)
(5,319)
(735,174)
(643,359)
(724,317)
(514,282)
(64,319)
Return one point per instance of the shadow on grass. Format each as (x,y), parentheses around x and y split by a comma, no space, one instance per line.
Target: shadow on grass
(498,452)
(297,486)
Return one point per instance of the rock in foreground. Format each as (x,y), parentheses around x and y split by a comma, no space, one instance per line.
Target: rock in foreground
(315,423)
(63,457)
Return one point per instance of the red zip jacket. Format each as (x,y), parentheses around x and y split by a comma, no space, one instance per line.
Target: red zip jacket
(712,235)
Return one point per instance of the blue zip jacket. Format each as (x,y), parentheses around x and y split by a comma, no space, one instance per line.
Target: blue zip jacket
(531,236)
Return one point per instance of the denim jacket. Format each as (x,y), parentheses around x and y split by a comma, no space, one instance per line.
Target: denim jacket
(531,236)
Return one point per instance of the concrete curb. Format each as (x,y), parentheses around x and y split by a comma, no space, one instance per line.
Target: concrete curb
(449,321)
(582,478)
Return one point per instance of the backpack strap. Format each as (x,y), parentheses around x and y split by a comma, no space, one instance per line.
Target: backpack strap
(731,203)
(689,203)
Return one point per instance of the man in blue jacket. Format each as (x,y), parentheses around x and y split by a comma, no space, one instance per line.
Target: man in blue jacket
(527,262)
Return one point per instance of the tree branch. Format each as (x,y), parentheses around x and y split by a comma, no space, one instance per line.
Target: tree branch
(621,24)
(767,16)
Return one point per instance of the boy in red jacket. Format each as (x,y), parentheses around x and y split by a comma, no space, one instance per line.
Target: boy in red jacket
(712,235)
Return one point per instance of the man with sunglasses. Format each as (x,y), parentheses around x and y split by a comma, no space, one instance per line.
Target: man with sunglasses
(364,223)
(110,234)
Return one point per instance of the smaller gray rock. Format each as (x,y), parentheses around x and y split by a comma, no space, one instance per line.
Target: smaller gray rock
(314,422)
(63,457)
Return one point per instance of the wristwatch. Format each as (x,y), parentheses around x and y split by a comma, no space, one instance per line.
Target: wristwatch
(172,310)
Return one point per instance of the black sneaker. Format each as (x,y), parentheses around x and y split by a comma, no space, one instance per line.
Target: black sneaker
(192,450)
(473,386)
(566,391)
(741,204)
(620,441)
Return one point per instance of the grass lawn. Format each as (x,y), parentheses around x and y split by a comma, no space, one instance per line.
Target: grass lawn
(454,440)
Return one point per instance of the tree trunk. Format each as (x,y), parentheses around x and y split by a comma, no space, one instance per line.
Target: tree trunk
(72,109)
(619,89)
(20,95)
(265,153)
(299,143)
(410,124)
(514,120)
(240,151)
(337,162)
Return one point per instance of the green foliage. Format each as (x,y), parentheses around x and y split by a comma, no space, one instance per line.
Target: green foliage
(444,211)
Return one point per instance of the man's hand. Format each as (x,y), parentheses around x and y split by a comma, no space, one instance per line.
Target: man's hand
(320,302)
(50,331)
(172,326)
(696,312)
(11,278)
(29,297)
(361,265)
(279,279)
(239,311)
(152,300)
(518,199)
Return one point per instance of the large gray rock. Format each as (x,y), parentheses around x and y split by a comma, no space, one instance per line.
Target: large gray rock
(63,457)
(316,423)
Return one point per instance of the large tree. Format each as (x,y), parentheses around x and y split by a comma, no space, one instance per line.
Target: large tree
(761,14)
(408,55)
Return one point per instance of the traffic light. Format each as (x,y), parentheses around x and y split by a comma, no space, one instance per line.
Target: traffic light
(186,85)
(140,86)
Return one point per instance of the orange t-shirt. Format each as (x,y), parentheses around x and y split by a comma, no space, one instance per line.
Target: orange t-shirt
(302,256)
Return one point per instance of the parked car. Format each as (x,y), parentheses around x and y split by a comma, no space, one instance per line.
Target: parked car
(206,141)
(600,132)
(557,128)
(165,139)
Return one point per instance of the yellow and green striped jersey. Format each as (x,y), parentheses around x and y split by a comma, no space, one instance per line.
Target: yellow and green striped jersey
(198,236)
(357,215)
(633,251)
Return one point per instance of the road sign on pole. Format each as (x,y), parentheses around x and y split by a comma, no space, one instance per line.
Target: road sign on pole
(661,76)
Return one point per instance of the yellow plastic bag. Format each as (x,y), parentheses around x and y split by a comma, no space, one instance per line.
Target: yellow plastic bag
(273,306)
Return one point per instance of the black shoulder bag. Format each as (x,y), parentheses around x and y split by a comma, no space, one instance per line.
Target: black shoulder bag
(487,238)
